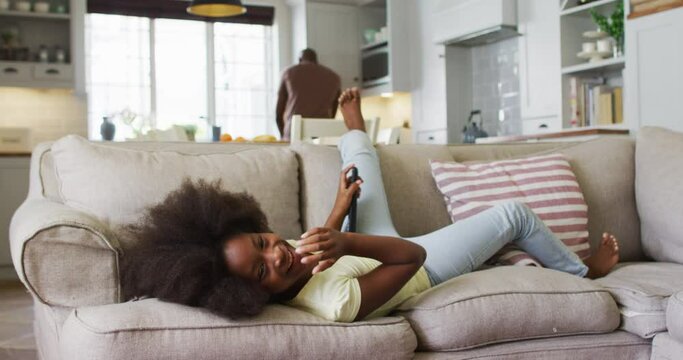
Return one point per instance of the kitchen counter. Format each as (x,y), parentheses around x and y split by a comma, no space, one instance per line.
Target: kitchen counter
(576,134)
(16,154)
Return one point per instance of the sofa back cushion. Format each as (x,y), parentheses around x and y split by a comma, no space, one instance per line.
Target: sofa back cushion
(604,169)
(319,170)
(544,183)
(117,184)
(659,191)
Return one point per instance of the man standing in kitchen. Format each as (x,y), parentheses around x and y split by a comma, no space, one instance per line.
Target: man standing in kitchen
(307,89)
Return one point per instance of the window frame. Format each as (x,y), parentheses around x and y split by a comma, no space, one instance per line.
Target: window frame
(270,68)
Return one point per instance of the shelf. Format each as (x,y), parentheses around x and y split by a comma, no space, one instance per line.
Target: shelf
(374,45)
(577,10)
(605,65)
(34,15)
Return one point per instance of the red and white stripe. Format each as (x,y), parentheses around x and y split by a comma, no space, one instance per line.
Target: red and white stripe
(545,183)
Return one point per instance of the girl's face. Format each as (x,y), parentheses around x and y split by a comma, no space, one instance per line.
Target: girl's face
(267,260)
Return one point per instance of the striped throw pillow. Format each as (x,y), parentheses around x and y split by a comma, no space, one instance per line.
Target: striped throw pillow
(544,183)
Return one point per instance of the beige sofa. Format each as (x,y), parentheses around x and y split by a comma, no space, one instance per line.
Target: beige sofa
(66,246)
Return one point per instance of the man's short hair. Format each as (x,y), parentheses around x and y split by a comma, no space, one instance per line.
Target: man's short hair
(309,54)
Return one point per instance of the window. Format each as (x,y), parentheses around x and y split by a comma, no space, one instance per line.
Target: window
(244,88)
(180,73)
(159,70)
(117,69)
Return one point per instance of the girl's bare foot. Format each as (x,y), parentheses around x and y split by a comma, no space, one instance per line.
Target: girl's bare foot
(604,259)
(349,104)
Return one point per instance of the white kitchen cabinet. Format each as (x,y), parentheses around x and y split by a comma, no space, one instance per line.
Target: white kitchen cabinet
(434,137)
(428,66)
(36,75)
(654,74)
(329,29)
(66,31)
(14,171)
(539,64)
(395,16)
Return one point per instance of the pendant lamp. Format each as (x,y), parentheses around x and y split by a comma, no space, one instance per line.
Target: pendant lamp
(216,8)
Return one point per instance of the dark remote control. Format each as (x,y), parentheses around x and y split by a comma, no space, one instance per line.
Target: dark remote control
(353,208)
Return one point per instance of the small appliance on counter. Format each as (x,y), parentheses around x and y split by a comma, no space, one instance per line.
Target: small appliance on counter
(15,140)
(471,132)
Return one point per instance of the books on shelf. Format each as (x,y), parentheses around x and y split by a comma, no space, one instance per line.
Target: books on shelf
(593,103)
(618,97)
(603,112)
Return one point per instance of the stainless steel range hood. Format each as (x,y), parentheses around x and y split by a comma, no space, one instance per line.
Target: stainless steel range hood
(485,36)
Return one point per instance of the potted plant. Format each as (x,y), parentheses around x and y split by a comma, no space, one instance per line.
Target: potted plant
(613,26)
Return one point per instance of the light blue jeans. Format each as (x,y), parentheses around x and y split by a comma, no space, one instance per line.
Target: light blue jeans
(463,246)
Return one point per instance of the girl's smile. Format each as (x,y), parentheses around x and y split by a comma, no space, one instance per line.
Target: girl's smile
(267,260)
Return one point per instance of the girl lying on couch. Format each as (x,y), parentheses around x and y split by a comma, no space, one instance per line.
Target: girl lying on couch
(206,247)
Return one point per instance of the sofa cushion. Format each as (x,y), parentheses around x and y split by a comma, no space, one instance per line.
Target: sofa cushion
(319,170)
(659,190)
(413,196)
(415,203)
(544,183)
(151,329)
(616,345)
(117,184)
(674,316)
(506,304)
(665,347)
(607,182)
(642,291)
(417,206)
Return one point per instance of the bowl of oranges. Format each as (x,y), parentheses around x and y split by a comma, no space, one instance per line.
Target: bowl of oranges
(258,139)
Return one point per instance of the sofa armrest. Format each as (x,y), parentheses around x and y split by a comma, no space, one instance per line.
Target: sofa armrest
(674,316)
(64,256)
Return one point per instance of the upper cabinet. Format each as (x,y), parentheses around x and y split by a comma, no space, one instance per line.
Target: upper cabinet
(329,30)
(539,65)
(654,75)
(42,44)
(384,51)
(365,42)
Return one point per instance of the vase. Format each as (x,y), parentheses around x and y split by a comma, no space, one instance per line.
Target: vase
(107,129)
(216,133)
(618,47)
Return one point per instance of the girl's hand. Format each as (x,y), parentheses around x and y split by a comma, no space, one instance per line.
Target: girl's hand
(327,244)
(346,191)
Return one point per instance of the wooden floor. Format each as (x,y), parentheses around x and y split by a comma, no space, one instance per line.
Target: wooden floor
(16,323)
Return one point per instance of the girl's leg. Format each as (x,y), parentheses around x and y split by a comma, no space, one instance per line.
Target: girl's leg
(465,245)
(373,215)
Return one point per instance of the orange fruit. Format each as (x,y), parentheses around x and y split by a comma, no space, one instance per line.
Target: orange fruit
(240,139)
(226,138)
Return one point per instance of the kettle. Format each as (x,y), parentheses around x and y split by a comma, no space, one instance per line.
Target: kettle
(471,131)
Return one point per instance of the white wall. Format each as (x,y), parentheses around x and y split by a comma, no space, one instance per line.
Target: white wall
(50,114)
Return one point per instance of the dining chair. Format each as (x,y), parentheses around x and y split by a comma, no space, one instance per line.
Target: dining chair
(325,131)
(388,136)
